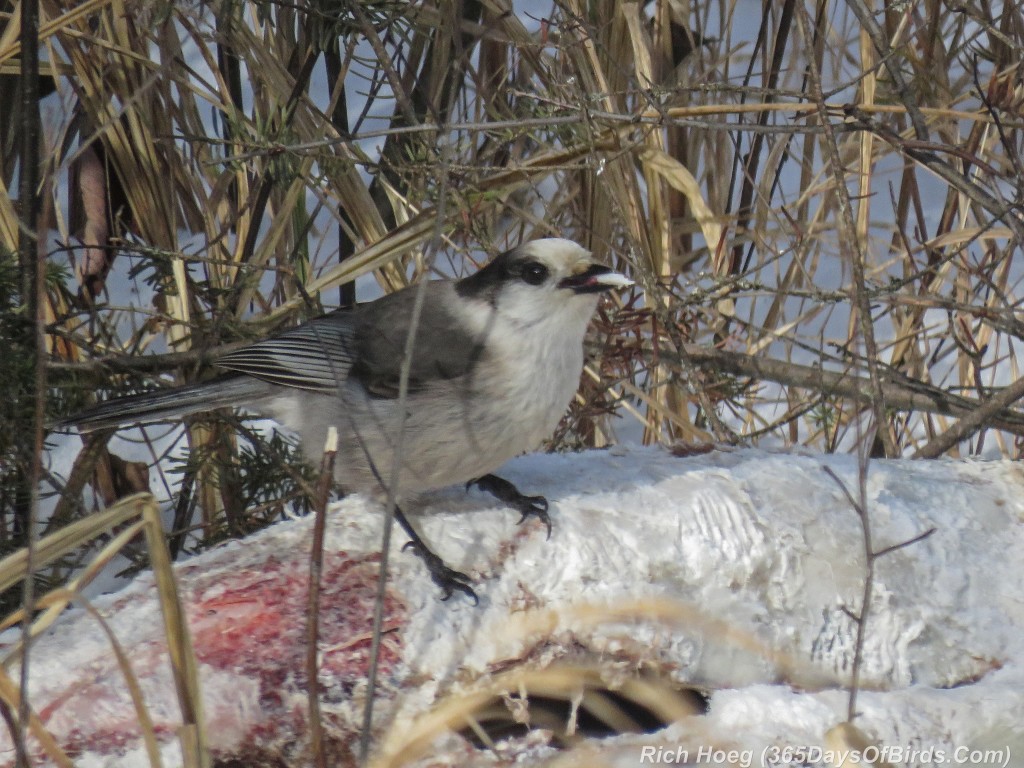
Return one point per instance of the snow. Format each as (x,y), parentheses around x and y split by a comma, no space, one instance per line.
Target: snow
(732,572)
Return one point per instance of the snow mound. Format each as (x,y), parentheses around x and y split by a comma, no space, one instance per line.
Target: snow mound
(736,573)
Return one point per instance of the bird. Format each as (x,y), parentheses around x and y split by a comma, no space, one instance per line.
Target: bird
(495,361)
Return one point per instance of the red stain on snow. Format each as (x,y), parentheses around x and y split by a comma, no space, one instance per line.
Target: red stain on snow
(254,622)
(249,630)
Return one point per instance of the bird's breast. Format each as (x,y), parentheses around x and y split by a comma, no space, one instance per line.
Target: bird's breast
(531,388)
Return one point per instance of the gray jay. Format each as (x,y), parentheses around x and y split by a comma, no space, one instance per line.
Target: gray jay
(496,359)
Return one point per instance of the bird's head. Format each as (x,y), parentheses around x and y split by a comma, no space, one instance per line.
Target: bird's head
(543,280)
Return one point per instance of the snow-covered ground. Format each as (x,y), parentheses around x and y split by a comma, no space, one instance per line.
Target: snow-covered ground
(732,572)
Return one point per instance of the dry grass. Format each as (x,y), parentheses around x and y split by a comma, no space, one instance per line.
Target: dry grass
(476,706)
(821,208)
(871,234)
(111,531)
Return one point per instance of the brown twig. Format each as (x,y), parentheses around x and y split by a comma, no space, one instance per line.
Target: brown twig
(316,565)
(971,422)
(866,17)
(901,393)
(33,272)
(853,251)
(871,556)
(1008,213)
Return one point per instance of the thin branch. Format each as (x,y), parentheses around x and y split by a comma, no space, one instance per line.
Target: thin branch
(853,251)
(970,423)
(316,566)
(871,556)
(33,271)
(865,16)
(395,476)
(901,393)
(903,544)
(1007,213)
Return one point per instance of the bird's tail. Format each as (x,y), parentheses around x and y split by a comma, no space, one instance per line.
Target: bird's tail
(228,391)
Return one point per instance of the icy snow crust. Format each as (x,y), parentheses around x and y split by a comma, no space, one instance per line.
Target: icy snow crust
(766,542)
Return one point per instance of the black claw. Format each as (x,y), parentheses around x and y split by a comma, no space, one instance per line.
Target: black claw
(534,506)
(448,579)
(503,490)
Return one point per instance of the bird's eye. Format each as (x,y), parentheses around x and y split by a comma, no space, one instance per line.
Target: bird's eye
(534,273)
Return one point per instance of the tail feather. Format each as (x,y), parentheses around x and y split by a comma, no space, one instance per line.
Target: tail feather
(225,392)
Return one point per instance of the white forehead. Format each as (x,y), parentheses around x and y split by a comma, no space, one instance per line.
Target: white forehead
(557,252)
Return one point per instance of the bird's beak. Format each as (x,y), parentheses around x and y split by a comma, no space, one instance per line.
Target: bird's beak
(594,279)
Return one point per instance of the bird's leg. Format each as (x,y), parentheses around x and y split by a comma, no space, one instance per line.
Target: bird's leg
(503,490)
(448,579)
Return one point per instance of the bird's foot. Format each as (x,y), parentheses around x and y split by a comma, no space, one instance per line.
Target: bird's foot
(448,579)
(503,490)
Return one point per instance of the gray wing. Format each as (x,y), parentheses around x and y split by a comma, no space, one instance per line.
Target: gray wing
(365,343)
(315,356)
(444,349)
